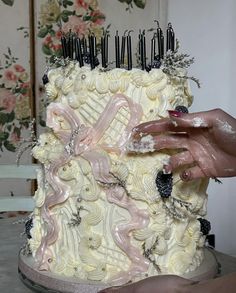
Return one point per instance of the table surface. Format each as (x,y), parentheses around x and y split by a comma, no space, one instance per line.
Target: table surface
(11,241)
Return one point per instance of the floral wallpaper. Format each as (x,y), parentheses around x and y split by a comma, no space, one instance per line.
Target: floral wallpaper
(79,16)
(15,109)
(14,102)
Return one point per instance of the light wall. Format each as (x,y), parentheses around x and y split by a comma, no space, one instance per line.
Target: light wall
(206,30)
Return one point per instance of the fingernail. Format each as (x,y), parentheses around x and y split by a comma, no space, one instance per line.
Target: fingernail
(166,169)
(135,129)
(175,113)
(185,176)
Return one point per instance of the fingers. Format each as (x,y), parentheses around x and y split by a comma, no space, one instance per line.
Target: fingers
(192,173)
(159,142)
(155,126)
(170,142)
(178,122)
(195,120)
(179,160)
(182,159)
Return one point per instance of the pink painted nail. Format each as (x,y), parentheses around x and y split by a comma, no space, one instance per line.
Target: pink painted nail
(175,113)
(166,169)
(186,175)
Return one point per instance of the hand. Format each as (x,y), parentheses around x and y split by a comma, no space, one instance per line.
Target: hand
(157,284)
(206,142)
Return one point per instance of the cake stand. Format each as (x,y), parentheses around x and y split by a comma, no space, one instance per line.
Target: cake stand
(43,282)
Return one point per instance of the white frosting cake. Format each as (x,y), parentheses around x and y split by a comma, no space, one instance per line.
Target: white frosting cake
(99,215)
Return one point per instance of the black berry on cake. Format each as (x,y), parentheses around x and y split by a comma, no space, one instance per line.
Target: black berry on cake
(205,226)
(164,183)
(28,227)
(182,109)
(45,79)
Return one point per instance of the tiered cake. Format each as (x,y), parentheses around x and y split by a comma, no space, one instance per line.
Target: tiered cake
(102,214)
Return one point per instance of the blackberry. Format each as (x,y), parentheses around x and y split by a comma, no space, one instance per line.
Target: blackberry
(182,109)
(155,64)
(205,226)
(28,226)
(45,79)
(87,59)
(164,183)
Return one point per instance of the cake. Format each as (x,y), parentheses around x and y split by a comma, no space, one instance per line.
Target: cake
(102,212)
(106,213)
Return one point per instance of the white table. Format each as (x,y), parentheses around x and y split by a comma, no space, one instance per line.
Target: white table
(10,243)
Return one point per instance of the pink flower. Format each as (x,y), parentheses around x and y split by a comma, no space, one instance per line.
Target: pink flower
(19,68)
(76,25)
(10,75)
(56,47)
(58,35)
(97,17)
(14,138)
(81,3)
(7,100)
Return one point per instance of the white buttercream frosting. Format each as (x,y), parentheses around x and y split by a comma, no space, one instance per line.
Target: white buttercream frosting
(98,208)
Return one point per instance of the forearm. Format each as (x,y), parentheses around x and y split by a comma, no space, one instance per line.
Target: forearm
(226,284)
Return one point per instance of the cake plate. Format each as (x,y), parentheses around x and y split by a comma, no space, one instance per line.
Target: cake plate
(44,282)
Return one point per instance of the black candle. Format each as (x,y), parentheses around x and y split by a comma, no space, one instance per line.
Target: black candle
(153,48)
(159,41)
(129,51)
(95,45)
(91,51)
(117,49)
(84,45)
(168,37)
(144,51)
(140,47)
(162,45)
(172,47)
(78,52)
(106,48)
(122,59)
(103,51)
(63,44)
(71,46)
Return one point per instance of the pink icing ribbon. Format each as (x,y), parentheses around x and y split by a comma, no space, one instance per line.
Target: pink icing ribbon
(86,145)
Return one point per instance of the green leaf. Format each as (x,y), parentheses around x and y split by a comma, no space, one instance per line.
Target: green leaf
(46,50)
(17,131)
(70,3)
(4,135)
(9,146)
(86,18)
(9,127)
(42,32)
(3,118)
(8,2)
(10,117)
(65,18)
(140,3)
(67,12)
(42,122)
(6,56)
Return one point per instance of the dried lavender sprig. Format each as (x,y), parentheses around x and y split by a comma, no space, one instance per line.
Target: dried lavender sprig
(76,220)
(173,61)
(31,142)
(149,252)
